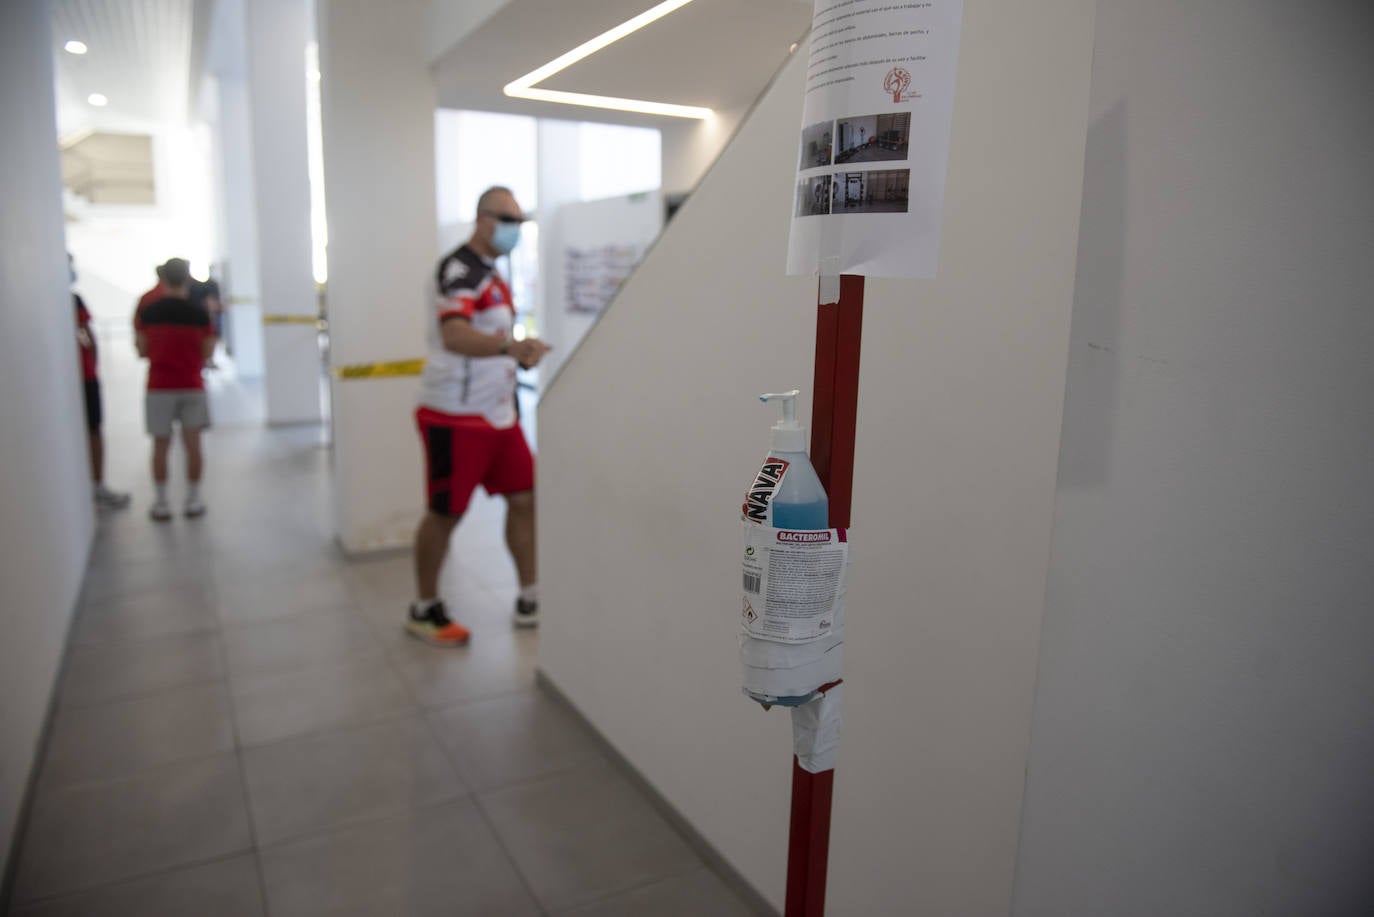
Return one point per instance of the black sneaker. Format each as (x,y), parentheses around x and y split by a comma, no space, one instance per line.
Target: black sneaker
(435,628)
(526,613)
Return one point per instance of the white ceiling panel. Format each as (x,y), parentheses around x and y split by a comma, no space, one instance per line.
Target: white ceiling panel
(138,56)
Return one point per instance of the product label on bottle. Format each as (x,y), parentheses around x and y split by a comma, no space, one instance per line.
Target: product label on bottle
(794,583)
(758,502)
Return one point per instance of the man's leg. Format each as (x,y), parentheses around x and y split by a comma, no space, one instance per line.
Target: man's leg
(161,446)
(195,465)
(428,619)
(520,535)
(195,459)
(96,447)
(513,477)
(431,544)
(448,486)
(520,540)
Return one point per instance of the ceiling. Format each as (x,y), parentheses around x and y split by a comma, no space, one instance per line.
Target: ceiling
(110,168)
(139,56)
(715,53)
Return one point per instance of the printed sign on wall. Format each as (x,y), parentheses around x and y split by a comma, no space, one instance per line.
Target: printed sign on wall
(874,139)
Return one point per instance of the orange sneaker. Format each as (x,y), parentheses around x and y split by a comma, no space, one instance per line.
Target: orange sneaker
(434,627)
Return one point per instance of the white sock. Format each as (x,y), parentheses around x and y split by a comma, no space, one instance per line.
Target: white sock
(420,607)
(193,492)
(161,491)
(529,593)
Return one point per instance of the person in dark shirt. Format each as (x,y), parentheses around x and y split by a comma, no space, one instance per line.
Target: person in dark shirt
(177,339)
(95,438)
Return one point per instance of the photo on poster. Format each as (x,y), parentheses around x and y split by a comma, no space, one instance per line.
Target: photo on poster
(882,191)
(873,138)
(813,196)
(816,143)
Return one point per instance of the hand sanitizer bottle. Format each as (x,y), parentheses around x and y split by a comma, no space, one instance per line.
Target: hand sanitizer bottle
(787,494)
(800,501)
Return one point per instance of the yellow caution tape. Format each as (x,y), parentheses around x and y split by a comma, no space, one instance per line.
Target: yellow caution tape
(291,320)
(380,370)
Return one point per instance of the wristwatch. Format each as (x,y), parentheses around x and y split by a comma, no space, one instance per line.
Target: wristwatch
(505,346)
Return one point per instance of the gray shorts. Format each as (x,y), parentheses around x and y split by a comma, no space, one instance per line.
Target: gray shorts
(186,406)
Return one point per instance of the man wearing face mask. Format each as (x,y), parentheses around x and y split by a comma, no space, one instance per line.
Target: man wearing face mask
(467,415)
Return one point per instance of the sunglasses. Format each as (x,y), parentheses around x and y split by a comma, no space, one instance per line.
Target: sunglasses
(503,217)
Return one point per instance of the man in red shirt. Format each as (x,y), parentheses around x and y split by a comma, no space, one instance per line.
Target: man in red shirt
(85,342)
(177,338)
(153,295)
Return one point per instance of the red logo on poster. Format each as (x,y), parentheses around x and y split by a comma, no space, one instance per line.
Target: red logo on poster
(896,82)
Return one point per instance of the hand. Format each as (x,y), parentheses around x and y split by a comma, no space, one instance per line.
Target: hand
(528,352)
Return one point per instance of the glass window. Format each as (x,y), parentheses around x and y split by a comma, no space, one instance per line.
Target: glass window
(619,160)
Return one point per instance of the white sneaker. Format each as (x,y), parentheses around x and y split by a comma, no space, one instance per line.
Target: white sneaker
(526,613)
(111,499)
(160,512)
(194,508)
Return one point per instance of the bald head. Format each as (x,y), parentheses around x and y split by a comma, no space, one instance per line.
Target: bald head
(497,228)
(496,198)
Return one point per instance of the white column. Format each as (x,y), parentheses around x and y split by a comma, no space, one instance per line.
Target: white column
(378,114)
(560,171)
(277,32)
(243,325)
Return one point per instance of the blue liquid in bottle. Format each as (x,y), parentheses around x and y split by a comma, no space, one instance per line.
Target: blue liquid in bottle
(802,516)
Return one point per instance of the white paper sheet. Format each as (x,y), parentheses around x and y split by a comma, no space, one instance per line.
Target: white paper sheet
(794,583)
(816,732)
(874,139)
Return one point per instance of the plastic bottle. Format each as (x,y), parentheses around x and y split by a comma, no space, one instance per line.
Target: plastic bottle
(777,673)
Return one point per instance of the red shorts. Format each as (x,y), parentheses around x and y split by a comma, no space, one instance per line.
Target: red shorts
(464,451)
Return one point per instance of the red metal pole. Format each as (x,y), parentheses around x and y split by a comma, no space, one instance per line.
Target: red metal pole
(834,414)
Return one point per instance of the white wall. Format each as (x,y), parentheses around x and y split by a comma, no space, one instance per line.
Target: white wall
(448,22)
(1203,736)
(45,498)
(690,148)
(378,117)
(650,435)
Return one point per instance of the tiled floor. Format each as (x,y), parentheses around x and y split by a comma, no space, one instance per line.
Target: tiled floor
(242,728)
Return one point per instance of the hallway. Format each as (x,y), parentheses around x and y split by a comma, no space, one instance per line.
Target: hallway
(242,726)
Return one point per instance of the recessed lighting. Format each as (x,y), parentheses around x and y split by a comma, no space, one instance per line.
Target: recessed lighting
(98,99)
(522,88)
(75,47)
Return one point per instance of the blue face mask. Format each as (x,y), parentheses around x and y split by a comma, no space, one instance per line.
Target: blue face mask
(506,237)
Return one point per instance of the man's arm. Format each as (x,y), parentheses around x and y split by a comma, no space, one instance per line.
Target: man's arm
(461,338)
(207,347)
(141,342)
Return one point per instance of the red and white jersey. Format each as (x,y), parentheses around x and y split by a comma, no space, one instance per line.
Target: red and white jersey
(467,287)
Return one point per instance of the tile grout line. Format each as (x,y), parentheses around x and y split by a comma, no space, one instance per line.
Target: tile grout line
(706,853)
(142,695)
(75,893)
(243,779)
(487,820)
(650,883)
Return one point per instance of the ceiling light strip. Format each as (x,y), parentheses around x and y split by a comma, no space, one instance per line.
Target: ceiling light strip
(522,87)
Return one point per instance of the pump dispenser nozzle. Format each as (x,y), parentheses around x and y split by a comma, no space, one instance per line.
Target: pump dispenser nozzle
(788,435)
